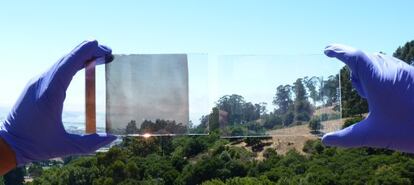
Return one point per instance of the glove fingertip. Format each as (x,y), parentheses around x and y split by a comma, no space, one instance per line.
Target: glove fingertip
(110,137)
(104,53)
(332,50)
(85,45)
(92,142)
(329,53)
(103,139)
(105,48)
(352,136)
(331,139)
(109,58)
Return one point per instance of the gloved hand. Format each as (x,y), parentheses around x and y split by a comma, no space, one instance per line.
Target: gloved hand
(388,85)
(34,127)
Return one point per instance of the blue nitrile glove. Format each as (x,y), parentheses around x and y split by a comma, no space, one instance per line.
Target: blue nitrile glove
(34,127)
(388,85)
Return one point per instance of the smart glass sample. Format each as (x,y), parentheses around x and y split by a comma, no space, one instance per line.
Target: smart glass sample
(147,94)
(200,102)
(290,95)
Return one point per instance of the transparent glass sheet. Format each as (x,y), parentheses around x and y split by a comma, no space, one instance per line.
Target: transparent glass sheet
(236,95)
(286,95)
(200,103)
(147,94)
(186,79)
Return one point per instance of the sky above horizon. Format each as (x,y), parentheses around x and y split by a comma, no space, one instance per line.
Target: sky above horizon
(35,34)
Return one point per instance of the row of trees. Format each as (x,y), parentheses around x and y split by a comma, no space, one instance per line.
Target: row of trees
(298,109)
(158,127)
(210,160)
(292,102)
(238,110)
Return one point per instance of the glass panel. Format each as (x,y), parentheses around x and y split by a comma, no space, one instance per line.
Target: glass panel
(147,94)
(194,114)
(289,95)
(199,93)
(237,95)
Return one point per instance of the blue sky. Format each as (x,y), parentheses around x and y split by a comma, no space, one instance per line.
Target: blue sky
(34,34)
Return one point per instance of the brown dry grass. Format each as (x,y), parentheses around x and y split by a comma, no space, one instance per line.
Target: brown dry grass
(294,137)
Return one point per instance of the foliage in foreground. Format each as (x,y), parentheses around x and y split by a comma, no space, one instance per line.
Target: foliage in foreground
(215,162)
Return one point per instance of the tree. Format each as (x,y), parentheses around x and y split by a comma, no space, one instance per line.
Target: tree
(136,145)
(283,99)
(161,126)
(35,170)
(313,147)
(131,128)
(289,117)
(269,153)
(202,127)
(405,53)
(350,121)
(194,146)
(320,83)
(302,107)
(352,103)
(213,120)
(238,110)
(260,108)
(389,175)
(272,120)
(330,89)
(284,104)
(233,105)
(252,141)
(15,176)
(310,84)
(249,112)
(255,128)
(315,124)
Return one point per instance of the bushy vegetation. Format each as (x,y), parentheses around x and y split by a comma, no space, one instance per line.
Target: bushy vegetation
(350,121)
(209,160)
(177,161)
(315,124)
(406,52)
